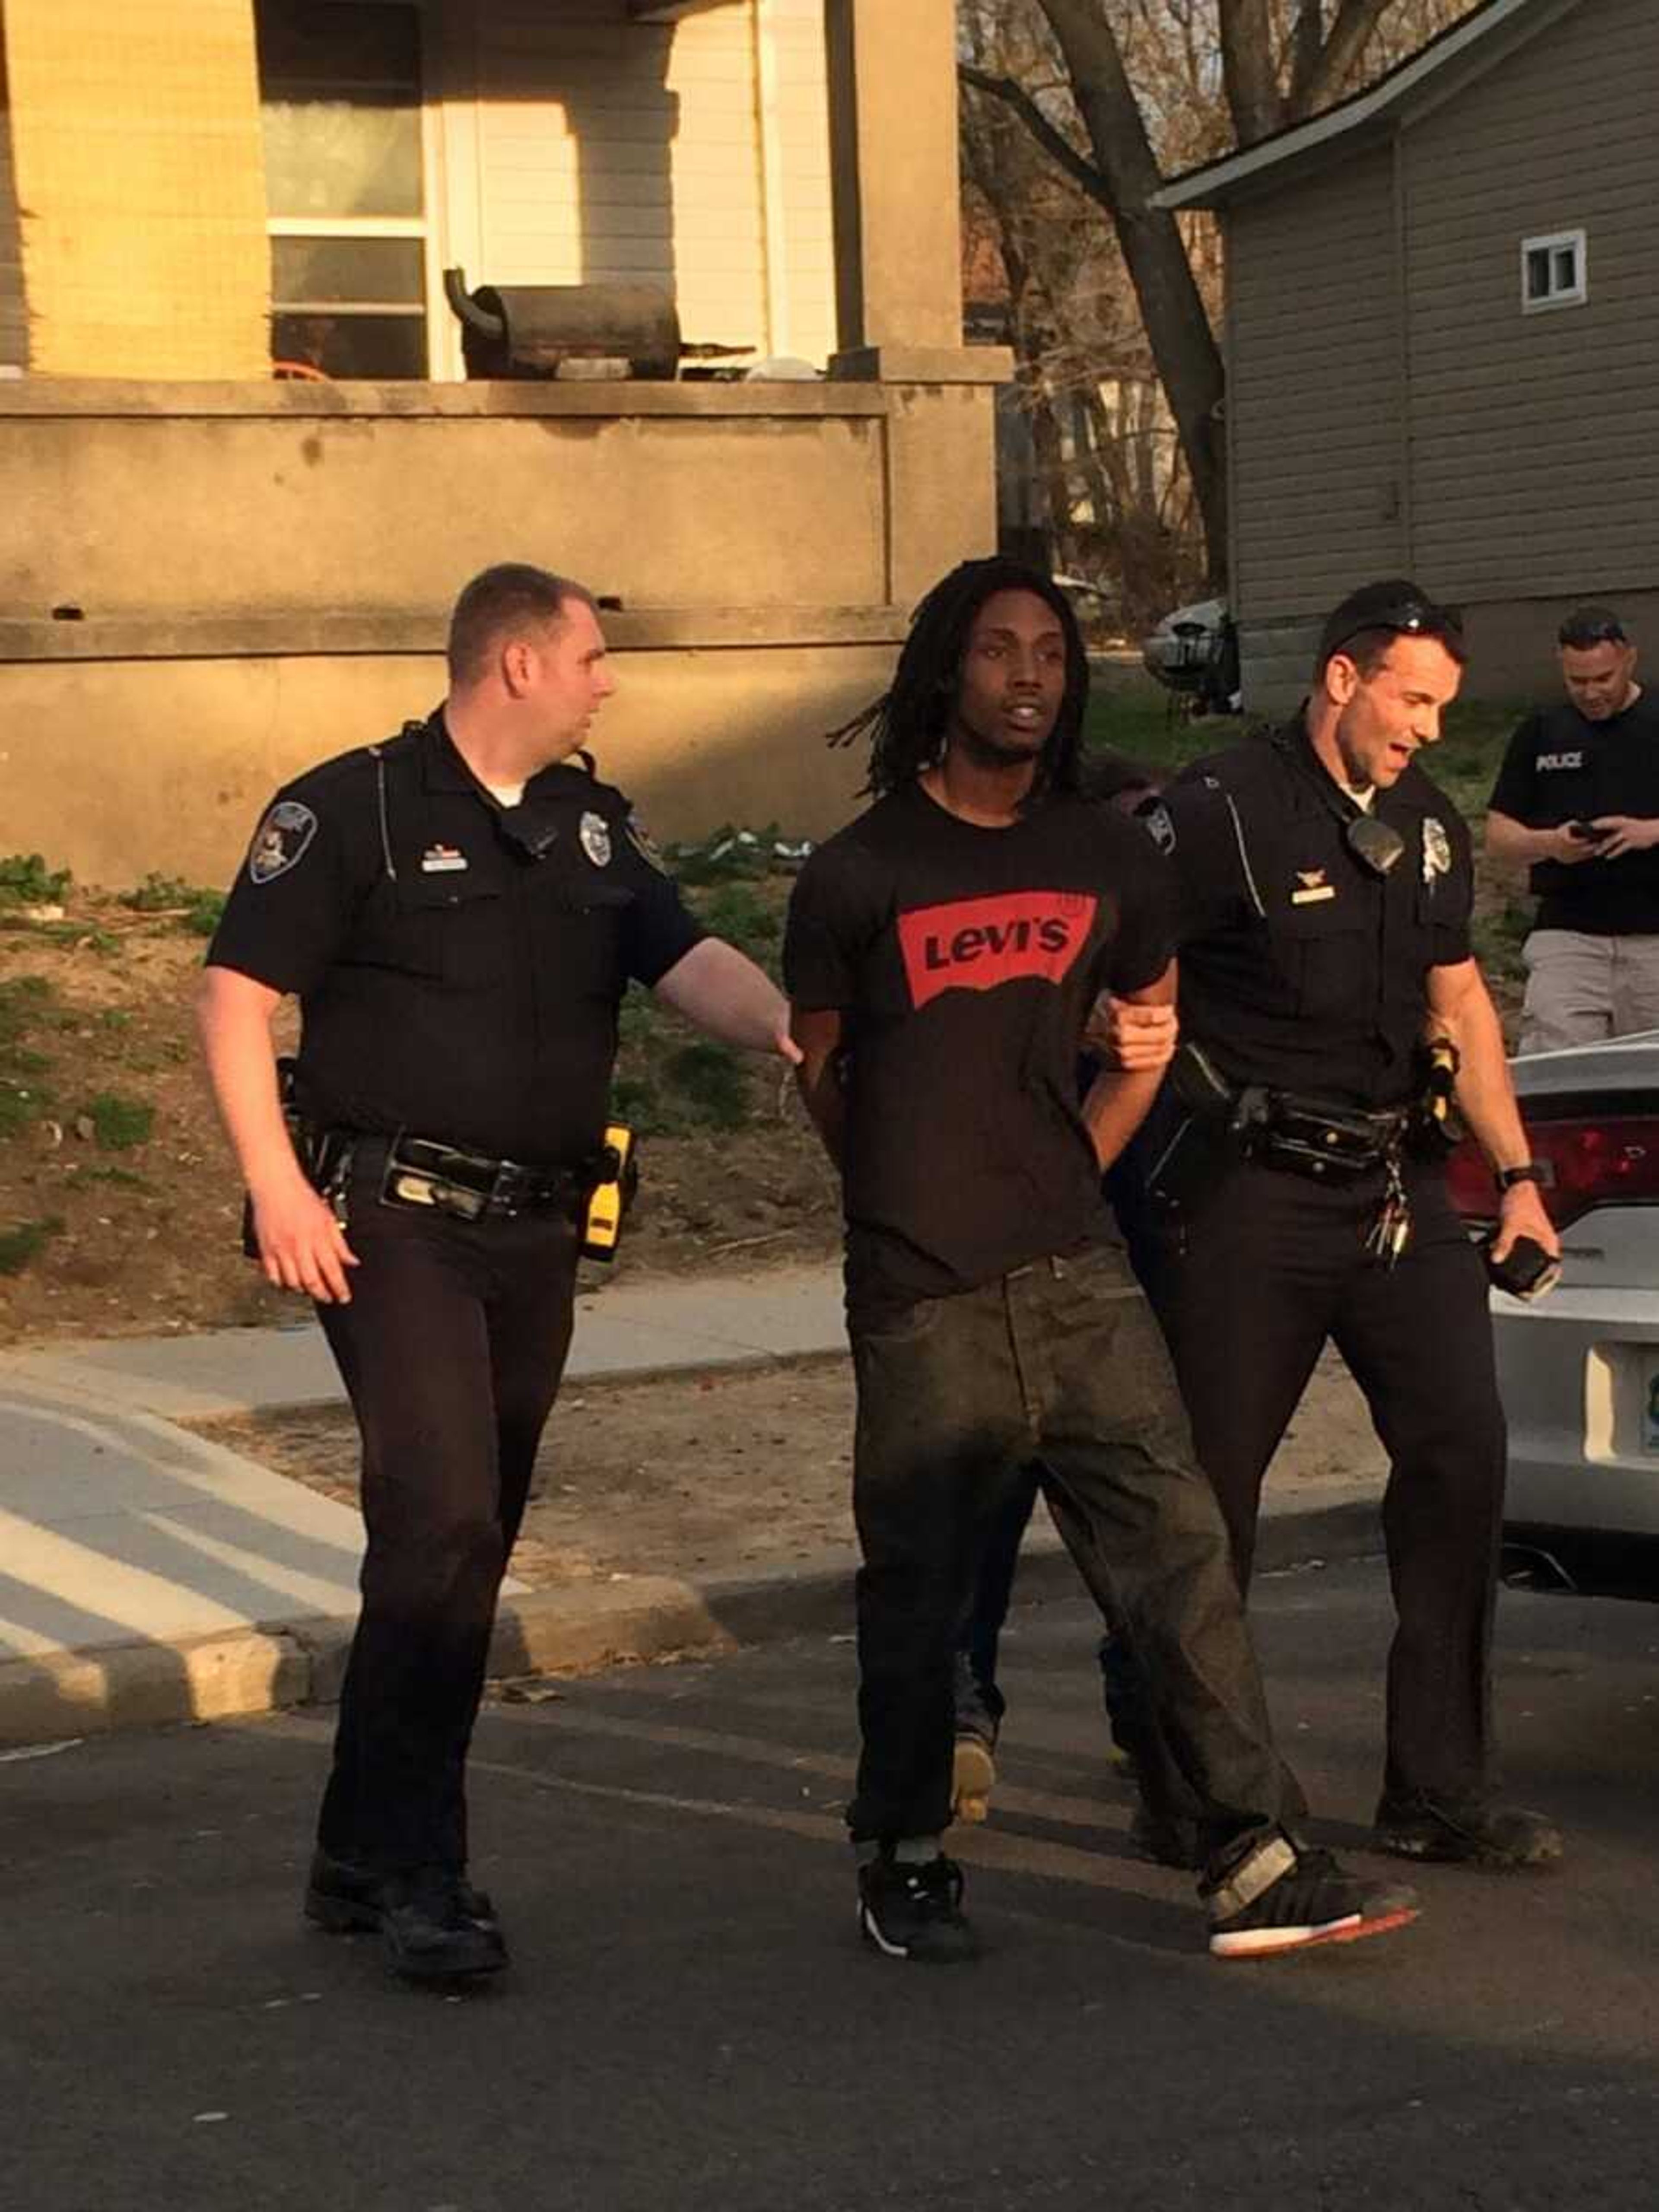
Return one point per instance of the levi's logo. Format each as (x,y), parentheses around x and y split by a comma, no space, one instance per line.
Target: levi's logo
(976,945)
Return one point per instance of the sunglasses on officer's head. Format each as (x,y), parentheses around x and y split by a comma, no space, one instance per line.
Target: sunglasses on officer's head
(1406,618)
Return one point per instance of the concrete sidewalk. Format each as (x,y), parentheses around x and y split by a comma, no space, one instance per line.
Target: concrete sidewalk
(147,1574)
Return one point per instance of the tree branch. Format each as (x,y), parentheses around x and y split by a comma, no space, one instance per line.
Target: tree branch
(1053,141)
(1350,33)
(1248,70)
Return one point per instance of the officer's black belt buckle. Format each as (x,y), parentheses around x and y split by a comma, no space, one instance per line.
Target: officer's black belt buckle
(1329,1144)
(421,1171)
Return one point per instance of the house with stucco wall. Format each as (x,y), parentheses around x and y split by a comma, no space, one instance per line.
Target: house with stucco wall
(245,468)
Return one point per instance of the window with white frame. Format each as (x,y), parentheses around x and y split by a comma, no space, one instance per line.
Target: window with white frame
(1554,271)
(345,190)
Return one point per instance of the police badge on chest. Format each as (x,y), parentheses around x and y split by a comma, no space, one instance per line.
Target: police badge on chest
(594,835)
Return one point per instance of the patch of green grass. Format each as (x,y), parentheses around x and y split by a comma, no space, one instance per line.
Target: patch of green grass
(1465,763)
(26,1242)
(25,1006)
(119,1123)
(77,934)
(26,880)
(737,912)
(195,908)
(710,1084)
(665,1087)
(1499,936)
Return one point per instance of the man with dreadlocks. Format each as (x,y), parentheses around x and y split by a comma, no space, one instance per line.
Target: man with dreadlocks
(942,955)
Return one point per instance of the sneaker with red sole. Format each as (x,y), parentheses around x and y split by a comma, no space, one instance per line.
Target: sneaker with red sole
(1281,1897)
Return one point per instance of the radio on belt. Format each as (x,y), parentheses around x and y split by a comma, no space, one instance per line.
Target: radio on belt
(608,1203)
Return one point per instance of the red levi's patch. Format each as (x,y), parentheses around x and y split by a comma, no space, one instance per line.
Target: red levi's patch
(977,944)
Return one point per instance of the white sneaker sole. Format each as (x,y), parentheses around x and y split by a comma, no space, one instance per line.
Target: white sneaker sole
(873,1936)
(1268,1942)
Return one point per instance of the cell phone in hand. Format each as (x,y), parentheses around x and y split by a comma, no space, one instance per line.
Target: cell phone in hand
(1525,1270)
(1587,833)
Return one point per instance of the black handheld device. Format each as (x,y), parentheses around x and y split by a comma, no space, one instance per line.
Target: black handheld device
(1525,1270)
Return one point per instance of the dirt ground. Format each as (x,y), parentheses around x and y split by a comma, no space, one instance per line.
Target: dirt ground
(110,1233)
(120,1207)
(726,1473)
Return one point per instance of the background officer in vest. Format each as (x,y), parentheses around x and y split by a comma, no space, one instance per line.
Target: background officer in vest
(458,912)
(1326,891)
(1577,803)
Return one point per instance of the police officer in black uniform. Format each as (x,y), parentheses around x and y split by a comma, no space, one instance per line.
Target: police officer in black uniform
(458,911)
(1327,886)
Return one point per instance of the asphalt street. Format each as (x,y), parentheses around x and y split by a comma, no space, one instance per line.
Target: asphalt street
(690,2021)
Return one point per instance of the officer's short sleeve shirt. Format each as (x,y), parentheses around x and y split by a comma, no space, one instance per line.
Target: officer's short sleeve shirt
(1302,969)
(459,964)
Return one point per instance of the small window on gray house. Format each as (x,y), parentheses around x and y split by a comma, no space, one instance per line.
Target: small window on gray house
(345,186)
(1554,271)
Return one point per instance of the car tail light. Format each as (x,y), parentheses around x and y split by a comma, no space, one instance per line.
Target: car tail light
(1592,1162)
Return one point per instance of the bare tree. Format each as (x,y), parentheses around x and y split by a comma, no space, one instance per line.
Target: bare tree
(1112,496)
(1277,63)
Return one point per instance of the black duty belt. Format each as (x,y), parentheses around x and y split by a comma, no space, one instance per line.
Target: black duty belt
(423,1171)
(1313,1136)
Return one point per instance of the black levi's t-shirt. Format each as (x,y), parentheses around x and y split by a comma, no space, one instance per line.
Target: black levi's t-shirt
(963,962)
(1561,767)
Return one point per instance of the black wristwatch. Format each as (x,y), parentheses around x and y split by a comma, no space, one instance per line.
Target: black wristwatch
(1529,1171)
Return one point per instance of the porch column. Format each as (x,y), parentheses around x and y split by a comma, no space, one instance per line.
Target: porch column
(897,190)
(898,283)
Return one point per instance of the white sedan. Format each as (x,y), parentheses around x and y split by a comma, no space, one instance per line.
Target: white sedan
(1579,1369)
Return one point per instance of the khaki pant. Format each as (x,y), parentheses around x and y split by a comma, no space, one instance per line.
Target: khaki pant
(1582,990)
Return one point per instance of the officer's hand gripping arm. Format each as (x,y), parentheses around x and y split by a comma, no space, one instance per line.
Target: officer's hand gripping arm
(301,1246)
(1129,1036)
(1460,1008)
(1120,1097)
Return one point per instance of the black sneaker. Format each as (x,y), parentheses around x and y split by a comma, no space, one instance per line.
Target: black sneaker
(915,1911)
(1466,1832)
(1284,1898)
(430,1933)
(1166,1839)
(345,1896)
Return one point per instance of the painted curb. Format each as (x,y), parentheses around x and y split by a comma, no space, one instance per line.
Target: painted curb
(575,1629)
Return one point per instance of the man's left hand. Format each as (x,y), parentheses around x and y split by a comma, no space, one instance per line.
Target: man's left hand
(1132,1039)
(1624,833)
(1522,1214)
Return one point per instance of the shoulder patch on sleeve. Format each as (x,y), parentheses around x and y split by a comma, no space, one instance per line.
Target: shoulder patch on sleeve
(281,841)
(1160,825)
(644,843)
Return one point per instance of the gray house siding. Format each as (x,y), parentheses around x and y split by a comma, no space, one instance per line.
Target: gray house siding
(14,323)
(1535,438)
(1315,420)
